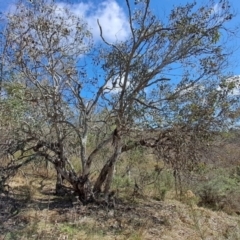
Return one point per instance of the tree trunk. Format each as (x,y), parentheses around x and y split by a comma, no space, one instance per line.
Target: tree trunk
(107,172)
(80,184)
(83,189)
(59,184)
(109,180)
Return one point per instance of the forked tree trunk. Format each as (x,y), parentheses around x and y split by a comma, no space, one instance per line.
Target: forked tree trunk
(83,189)
(81,185)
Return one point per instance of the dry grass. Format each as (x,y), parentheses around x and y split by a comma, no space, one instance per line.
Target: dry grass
(43,216)
(33,212)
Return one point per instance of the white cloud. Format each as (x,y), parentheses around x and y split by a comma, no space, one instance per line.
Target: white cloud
(112,20)
(111,17)
(114,86)
(218,13)
(233,83)
(110,14)
(216,8)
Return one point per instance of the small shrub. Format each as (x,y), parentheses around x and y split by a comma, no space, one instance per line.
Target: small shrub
(190,198)
(122,182)
(220,193)
(209,197)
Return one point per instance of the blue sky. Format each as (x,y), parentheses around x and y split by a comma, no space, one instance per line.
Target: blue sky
(166,5)
(163,7)
(112,16)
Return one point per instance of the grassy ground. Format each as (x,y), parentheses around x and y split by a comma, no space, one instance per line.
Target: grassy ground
(32,211)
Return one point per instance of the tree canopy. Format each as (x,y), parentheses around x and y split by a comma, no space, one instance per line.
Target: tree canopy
(60,109)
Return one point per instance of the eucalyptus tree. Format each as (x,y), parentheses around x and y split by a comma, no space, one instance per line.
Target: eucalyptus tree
(131,92)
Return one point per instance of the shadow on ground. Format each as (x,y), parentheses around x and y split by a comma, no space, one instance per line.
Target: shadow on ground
(12,203)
